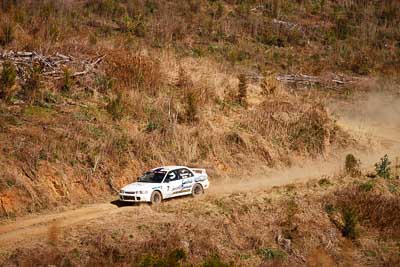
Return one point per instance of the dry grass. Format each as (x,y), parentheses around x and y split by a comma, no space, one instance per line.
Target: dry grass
(373,208)
(169,83)
(167,94)
(129,123)
(245,230)
(134,72)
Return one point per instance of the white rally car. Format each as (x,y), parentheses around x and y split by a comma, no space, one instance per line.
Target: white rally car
(166,182)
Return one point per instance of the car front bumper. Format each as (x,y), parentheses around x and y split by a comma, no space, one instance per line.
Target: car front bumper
(134,198)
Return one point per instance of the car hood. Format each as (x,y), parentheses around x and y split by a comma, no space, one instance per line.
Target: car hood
(140,186)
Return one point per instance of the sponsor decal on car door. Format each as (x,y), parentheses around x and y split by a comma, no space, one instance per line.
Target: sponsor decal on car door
(187,180)
(175,183)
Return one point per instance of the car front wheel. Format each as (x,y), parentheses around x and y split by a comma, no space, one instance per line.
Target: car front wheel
(156,198)
(197,190)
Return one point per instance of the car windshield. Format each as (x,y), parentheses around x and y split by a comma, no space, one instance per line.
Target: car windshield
(152,177)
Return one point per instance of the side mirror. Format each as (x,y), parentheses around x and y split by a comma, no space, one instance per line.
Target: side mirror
(166,180)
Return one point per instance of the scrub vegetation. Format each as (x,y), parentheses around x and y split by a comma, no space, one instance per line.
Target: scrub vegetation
(205,84)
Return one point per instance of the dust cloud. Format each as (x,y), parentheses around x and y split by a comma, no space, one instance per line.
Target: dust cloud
(372,119)
(376,114)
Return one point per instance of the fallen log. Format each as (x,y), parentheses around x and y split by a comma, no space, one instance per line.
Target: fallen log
(284,23)
(52,66)
(309,80)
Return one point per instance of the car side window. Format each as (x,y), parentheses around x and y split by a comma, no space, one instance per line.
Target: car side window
(173,176)
(185,173)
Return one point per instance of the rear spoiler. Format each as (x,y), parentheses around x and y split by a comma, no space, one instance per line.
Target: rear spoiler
(199,171)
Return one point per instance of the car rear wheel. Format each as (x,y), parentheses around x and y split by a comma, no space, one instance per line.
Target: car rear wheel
(197,190)
(156,198)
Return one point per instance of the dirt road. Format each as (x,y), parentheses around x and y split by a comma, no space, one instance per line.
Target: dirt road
(31,227)
(34,227)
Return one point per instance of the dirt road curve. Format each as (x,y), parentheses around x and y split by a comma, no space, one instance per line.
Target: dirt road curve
(27,228)
(31,228)
(23,230)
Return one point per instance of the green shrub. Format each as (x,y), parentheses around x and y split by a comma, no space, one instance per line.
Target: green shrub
(367,186)
(67,81)
(7,34)
(215,261)
(7,181)
(157,120)
(382,168)
(32,84)
(116,107)
(191,110)
(324,182)
(242,93)
(107,8)
(271,254)
(352,165)
(173,259)
(151,126)
(329,208)
(292,209)
(7,78)
(341,28)
(350,223)
(104,83)
(393,188)
(151,6)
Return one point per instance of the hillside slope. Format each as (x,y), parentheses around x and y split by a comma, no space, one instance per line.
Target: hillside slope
(260,93)
(167,90)
(177,82)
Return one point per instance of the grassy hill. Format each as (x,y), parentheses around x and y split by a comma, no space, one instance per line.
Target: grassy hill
(182,82)
(93,92)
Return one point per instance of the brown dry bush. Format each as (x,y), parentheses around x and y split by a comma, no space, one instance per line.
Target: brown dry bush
(352,165)
(135,72)
(7,79)
(311,132)
(242,92)
(191,107)
(31,88)
(7,34)
(295,125)
(263,120)
(106,8)
(373,209)
(117,107)
(269,85)
(183,81)
(42,257)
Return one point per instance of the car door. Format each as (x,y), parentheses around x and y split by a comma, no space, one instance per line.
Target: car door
(173,183)
(187,180)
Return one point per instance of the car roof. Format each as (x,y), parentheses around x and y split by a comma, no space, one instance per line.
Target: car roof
(169,168)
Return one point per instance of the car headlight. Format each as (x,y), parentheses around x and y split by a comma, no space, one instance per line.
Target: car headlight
(121,191)
(143,192)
